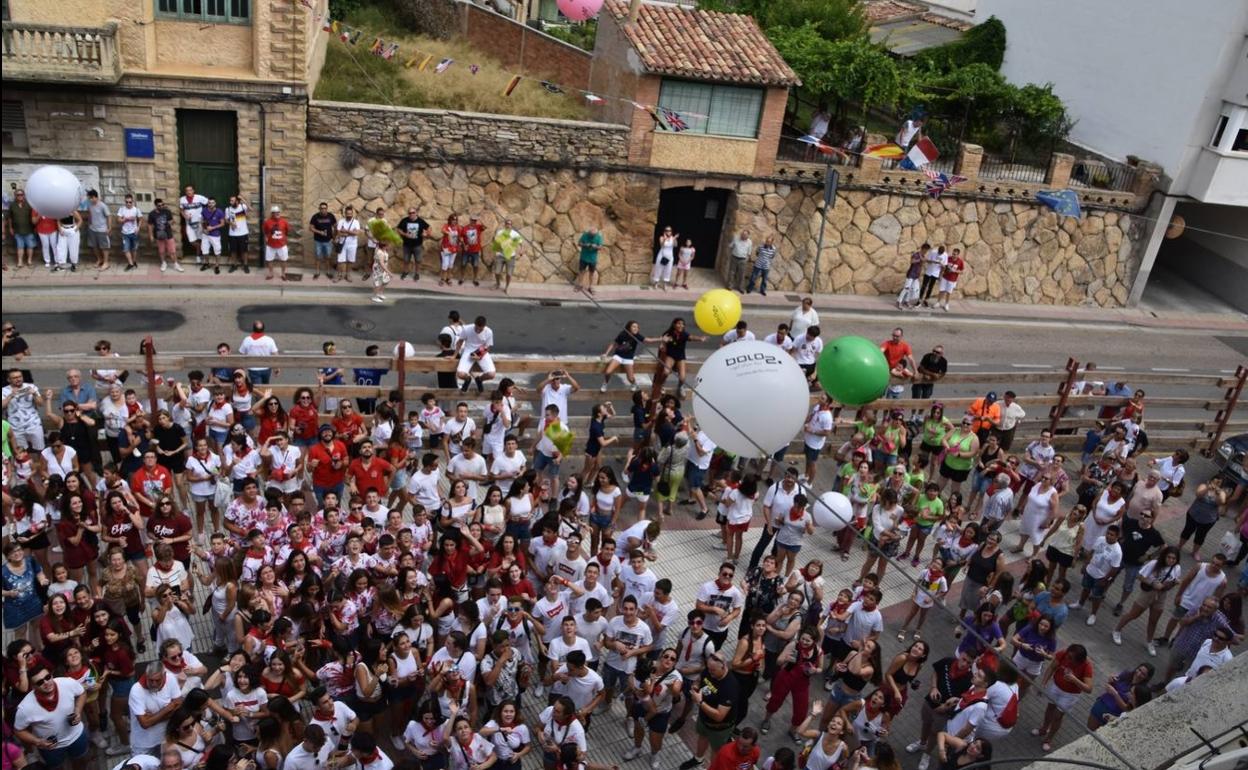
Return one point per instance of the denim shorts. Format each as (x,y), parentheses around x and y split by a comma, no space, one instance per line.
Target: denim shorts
(75,750)
(324,249)
(695,476)
(129,241)
(470,258)
(27,241)
(613,678)
(542,462)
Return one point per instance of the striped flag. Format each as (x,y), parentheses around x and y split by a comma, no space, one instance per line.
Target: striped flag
(820,145)
(443,66)
(511,85)
(593,98)
(939,182)
(922,153)
(888,150)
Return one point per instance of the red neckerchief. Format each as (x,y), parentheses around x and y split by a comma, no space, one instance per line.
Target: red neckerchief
(241,389)
(723,586)
(19,512)
(376,755)
(164,566)
(965,540)
(175,668)
(318,714)
(78,672)
(806,574)
(796,514)
(971,697)
(48,702)
(257,335)
(934,575)
(564,722)
(251,553)
(468,743)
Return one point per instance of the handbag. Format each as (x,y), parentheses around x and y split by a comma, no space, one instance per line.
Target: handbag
(224,494)
(664,485)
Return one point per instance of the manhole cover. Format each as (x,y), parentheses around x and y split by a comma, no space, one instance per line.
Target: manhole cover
(360,325)
(793,297)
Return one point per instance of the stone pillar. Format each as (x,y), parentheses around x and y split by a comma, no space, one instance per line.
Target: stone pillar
(1060,166)
(869,170)
(1146,177)
(970,156)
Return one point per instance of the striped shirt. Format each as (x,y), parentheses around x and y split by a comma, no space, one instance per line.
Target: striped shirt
(765,255)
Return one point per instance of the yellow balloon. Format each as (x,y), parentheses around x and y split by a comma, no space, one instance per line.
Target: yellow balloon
(717,311)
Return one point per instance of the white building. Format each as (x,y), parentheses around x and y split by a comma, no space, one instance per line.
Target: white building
(1166,82)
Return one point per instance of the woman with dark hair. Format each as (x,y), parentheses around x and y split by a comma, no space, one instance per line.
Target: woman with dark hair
(31,523)
(902,675)
(58,629)
(747,662)
(510,736)
(371,671)
(868,720)
(1068,676)
(187,735)
(79,536)
(606,501)
(425,736)
(672,351)
(1120,695)
(954,752)
(1156,578)
(799,661)
(860,668)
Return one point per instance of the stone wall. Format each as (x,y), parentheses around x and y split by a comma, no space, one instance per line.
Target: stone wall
(1015,251)
(468,137)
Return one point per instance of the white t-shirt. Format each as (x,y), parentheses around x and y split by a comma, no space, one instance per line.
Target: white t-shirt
(424,487)
(633,637)
(1106,556)
(52,724)
(801,320)
(557,396)
(508,468)
(193,208)
(551,612)
(779,501)
(129,217)
(144,701)
(457,430)
(807,350)
(728,599)
(785,343)
(1206,657)
(591,631)
(934,263)
(557,649)
(734,336)
(636,585)
(336,727)
(861,623)
(791,532)
(148,762)
(1201,587)
(820,420)
(740,507)
(599,592)
(236,216)
(474,339)
(701,460)
(581,689)
(206,466)
(460,466)
(667,614)
(253,346)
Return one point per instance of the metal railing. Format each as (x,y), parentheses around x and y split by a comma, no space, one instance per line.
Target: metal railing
(1102,175)
(1006,170)
(55,52)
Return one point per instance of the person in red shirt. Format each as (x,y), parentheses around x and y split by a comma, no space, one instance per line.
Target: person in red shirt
(1068,676)
(46,228)
(303,418)
(276,229)
(369,472)
(899,355)
(150,482)
(328,463)
(741,753)
(453,560)
(170,526)
(470,239)
(954,268)
(451,237)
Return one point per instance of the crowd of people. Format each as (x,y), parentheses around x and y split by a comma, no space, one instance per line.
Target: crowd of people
(445,586)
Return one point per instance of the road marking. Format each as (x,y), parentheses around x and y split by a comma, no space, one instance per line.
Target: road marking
(1031,366)
(962,363)
(1167,369)
(1227,371)
(1111,368)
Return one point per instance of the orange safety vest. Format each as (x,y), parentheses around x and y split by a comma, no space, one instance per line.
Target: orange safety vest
(988,417)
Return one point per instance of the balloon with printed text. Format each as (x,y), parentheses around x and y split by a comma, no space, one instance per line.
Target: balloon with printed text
(717,311)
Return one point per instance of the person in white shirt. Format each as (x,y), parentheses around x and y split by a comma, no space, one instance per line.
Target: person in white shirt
(591,587)
(806,350)
(720,601)
(781,338)
(58,730)
(192,206)
(556,388)
(575,680)
(934,262)
(152,699)
(422,486)
(508,465)
(475,345)
(740,333)
(637,579)
(627,639)
(819,425)
(457,430)
(804,316)
(258,344)
(236,221)
(368,756)
(1105,560)
(347,236)
(659,610)
(698,462)
(312,753)
(468,466)
(129,217)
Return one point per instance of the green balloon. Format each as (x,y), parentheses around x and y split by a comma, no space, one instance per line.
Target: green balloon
(853,370)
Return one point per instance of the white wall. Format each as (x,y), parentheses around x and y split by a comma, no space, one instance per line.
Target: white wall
(1141,77)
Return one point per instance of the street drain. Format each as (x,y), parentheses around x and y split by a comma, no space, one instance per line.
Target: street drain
(360,325)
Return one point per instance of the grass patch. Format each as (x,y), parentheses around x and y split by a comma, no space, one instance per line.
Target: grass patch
(352,74)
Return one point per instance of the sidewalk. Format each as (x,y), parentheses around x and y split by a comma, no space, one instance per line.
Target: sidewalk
(147,275)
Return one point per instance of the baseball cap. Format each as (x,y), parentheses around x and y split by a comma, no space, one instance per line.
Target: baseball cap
(275,209)
(990,397)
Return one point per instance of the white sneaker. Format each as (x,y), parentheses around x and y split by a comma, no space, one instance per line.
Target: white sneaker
(925,762)
(654,762)
(1073,605)
(117,750)
(914,748)
(163,267)
(377,298)
(632,753)
(538,691)
(178,267)
(1117,637)
(56,549)
(397,743)
(1152,649)
(603,389)
(1091,620)
(99,740)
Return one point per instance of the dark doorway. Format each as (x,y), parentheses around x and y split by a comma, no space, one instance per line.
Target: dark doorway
(697,215)
(208,153)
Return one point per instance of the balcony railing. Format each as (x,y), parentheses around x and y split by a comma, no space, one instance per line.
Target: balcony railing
(49,52)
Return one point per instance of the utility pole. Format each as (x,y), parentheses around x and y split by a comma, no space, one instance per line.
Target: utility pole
(831,178)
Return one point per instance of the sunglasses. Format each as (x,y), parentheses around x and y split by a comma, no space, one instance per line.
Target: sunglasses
(42,681)
(513,609)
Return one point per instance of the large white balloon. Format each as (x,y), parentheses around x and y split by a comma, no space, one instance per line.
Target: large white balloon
(751,398)
(832,511)
(53,191)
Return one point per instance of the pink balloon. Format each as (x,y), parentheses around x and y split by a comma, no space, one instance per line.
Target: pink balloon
(580,10)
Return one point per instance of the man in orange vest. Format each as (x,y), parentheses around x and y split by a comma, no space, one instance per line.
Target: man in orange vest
(987,413)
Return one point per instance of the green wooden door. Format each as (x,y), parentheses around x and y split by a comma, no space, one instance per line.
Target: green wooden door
(208,152)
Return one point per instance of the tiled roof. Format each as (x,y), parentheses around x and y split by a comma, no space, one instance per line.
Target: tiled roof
(702,45)
(886,10)
(945,21)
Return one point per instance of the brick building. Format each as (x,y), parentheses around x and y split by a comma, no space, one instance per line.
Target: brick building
(145,96)
(716,70)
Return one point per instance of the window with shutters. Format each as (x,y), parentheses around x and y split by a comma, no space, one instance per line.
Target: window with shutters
(711,108)
(15,126)
(210,11)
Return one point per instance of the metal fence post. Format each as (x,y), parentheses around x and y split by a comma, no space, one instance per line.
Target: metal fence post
(149,368)
(1063,394)
(1228,408)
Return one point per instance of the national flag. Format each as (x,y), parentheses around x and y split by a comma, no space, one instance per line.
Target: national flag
(375,48)
(443,66)
(474,68)
(888,150)
(820,145)
(329,25)
(511,85)
(424,63)
(391,51)
(593,98)
(553,88)
(335,26)
(412,61)
(921,153)
(673,121)
(1064,202)
(355,36)
(939,182)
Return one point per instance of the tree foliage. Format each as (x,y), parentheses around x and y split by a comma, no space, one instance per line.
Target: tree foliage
(832,19)
(852,69)
(981,44)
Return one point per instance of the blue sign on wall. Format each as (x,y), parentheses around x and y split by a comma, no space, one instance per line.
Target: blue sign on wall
(140,143)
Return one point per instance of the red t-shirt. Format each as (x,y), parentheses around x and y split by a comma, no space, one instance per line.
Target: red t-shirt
(176,525)
(895,351)
(450,238)
(470,236)
(1067,674)
(954,268)
(372,477)
(304,421)
(45,225)
(125,528)
(331,466)
(150,484)
(275,231)
(75,556)
(729,758)
(347,426)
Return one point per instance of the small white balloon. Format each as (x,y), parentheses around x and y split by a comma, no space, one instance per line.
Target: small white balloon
(53,191)
(408,350)
(751,398)
(832,511)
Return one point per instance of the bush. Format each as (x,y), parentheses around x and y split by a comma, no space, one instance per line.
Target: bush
(435,18)
(580,35)
(981,44)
